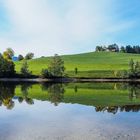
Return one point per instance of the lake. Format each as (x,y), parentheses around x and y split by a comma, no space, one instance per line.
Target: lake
(72,111)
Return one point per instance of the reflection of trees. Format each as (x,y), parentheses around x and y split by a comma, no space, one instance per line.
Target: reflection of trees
(7,92)
(56,93)
(25,91)
(76,89)
(134,90)
(45,86)
(115,109)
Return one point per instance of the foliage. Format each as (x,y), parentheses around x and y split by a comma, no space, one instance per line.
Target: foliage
(111,48)
(6,55)
(25,70)
(45,73)
(7,67)
(20,57)
(56,66)
(122,49)
(7,92)
(29,56)
(134,70)
(115,48)
(101,48)
(10,52)
(56,93)
(25,91)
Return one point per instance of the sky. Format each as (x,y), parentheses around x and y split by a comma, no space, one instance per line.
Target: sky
(47,27)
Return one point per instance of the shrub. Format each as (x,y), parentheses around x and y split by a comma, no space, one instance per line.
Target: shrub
(25,70)
(7,67)
(29,56)
(45,73)
(56,66)
(133,72)
(20,57)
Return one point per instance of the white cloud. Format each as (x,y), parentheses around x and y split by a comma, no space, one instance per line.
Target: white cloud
(39,27)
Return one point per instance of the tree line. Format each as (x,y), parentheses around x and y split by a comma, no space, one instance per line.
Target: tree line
(7,66)
(116,48)
(9,54)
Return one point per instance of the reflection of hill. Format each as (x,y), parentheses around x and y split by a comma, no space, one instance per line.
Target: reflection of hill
(87,94)
(110,97)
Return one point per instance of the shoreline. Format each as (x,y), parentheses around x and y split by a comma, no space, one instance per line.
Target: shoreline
(67,80)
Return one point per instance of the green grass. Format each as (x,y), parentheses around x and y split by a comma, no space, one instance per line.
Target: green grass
(94,64)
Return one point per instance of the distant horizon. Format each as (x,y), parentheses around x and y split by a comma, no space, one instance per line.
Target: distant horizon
(48,27)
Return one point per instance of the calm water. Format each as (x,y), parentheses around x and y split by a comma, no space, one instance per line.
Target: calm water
(87,111)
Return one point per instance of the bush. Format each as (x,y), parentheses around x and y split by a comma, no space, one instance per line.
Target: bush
(7,67)
(56,66)
(45,73)
(20,57)
(29,56)
(133,72)
(25,70)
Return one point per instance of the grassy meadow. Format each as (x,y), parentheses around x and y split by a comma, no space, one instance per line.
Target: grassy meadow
(94,64)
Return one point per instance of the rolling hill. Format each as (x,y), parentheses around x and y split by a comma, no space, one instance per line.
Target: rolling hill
(94,64)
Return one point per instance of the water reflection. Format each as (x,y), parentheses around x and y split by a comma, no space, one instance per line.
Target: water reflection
(25,93)
(134,90)
(104,97)
(7,93)
(115,109)
(56,93)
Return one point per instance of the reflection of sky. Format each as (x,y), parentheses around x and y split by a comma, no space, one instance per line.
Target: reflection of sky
(67,121)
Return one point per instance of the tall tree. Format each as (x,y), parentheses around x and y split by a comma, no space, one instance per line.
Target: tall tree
(7,67)
(29,56)
(11,52)
(25,69)
(131,65)
(122,49)
(56,66)
(20,57)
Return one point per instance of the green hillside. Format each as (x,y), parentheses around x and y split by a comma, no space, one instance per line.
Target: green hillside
(94,64)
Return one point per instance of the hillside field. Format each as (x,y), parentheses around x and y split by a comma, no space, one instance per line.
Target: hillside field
(94,64)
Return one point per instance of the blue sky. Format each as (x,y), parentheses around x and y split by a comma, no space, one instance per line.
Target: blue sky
(46,27)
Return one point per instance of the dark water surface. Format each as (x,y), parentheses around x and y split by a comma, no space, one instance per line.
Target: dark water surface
(75,111)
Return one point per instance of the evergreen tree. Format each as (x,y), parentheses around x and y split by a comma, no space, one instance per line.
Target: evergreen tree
(25,70)
(56,66)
